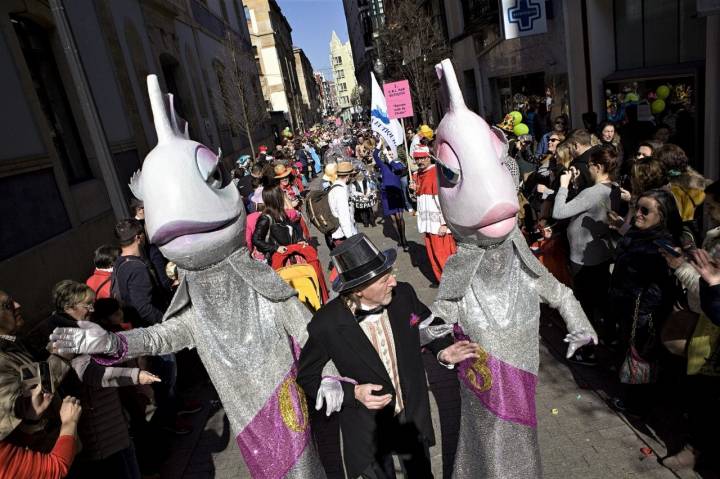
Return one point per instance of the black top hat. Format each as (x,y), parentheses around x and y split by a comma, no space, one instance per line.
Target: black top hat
(358,261)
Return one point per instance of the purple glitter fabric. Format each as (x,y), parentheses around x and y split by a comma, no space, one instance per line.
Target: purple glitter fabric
(276,437)
(506,391)
(119,357)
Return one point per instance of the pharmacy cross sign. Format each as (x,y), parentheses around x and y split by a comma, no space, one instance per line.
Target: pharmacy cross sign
(524,14)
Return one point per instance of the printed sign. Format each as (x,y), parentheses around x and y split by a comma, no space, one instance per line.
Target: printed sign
(399,101)
(522,18)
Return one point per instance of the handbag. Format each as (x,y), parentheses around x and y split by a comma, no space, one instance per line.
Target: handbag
(635,369)
(678,330)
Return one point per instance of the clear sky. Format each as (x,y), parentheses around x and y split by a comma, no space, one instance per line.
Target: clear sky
(313,22)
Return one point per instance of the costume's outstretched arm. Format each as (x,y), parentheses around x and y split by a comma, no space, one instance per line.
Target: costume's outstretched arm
(445,314)
(560,297)
(167,337)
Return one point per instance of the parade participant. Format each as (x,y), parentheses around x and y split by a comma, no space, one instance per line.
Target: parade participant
(244,320)
(340,206)
(439,242)
(370,332)
(363,195)
(391,190)
(490,292)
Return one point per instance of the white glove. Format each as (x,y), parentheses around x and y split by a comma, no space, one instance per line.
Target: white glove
(87,338)
(578,339)
(331,392)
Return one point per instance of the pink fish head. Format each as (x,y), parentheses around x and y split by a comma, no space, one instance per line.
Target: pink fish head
(477,193)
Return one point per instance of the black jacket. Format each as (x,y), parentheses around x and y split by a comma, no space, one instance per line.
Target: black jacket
(640,271)
(334,334)
(144,299)
(282,233)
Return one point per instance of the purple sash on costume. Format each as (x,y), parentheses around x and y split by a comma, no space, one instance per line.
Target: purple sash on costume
(273,441)
(276,437)
(506,391)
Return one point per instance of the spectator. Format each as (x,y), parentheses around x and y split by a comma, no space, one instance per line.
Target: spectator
(609,137)
(135,282)
(107,448)
(330,175)
(642,290)
(686,184)
(580,147)
(19,462)
(151,251)
(662,134)
(363,194)
(560,125)
(17,362)
(591,246)
(647,173)
(104,259)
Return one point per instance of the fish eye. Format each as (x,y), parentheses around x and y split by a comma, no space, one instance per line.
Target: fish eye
(211,168)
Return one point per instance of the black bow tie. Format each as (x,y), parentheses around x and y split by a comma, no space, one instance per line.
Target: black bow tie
(361,314)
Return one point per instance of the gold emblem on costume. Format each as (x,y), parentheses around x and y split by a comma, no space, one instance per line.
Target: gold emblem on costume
(479,371)
(288,389)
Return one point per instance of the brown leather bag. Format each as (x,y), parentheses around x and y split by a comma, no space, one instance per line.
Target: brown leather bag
(677,330)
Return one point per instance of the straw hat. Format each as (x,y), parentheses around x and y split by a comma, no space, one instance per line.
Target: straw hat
(282,171)
(330,172)
(345,168)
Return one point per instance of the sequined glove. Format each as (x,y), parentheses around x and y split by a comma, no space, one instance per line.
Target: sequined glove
(87,338)
(331,392)
(578,339)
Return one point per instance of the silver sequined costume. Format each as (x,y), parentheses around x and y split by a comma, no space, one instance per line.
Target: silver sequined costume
(492,293)
(240,316)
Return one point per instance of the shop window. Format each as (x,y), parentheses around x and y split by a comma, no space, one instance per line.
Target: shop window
(657,32)
(50,90)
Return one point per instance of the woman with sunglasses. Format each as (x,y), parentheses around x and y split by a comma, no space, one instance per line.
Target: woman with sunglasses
(590,237)
(642,290)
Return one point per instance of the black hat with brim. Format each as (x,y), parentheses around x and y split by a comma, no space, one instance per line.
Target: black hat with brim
(358,261)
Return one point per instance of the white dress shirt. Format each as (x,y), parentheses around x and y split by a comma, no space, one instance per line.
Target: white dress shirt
(339,201)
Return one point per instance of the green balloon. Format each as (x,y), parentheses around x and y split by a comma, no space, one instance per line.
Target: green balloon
(662,92)
(631,97)
(521,129)
(658,106)
(517,117)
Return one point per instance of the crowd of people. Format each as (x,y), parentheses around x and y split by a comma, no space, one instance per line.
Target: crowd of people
(623,224)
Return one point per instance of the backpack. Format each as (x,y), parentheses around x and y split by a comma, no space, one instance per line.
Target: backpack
(302,278)
(318,210)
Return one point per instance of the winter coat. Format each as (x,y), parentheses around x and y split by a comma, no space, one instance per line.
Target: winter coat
(689,192)
(641,272)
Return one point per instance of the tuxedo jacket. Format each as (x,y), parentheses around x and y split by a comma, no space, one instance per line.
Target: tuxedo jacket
(334,334)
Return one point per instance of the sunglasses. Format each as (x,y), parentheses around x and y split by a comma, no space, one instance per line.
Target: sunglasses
(554,139)
(644,210)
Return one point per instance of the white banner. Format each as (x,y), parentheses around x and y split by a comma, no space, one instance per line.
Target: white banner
(522,18)
(390,130)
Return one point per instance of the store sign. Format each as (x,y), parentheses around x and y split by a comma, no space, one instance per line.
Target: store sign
(399,101)
(522,18)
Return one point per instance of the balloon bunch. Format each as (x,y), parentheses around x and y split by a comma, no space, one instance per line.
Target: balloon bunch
(519,127)
(657,105)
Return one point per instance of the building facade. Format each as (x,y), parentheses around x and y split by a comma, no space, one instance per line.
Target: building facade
(309,89)
(271,37)
(77,121)
(593,55)
(329,97)
(364,19)
(341,60)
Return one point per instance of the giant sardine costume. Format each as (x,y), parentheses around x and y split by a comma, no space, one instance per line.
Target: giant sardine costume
(491,292)
(245,322)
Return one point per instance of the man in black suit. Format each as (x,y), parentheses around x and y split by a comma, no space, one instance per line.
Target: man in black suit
(371,334)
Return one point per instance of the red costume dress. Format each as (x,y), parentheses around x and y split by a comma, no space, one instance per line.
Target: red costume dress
(430,219)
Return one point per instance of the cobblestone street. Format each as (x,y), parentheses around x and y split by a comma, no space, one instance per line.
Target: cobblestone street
(580,436)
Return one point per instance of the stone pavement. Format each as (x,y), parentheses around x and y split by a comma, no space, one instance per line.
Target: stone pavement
(580,437)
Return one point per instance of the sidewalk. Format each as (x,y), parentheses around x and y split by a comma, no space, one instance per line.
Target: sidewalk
(580,436)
